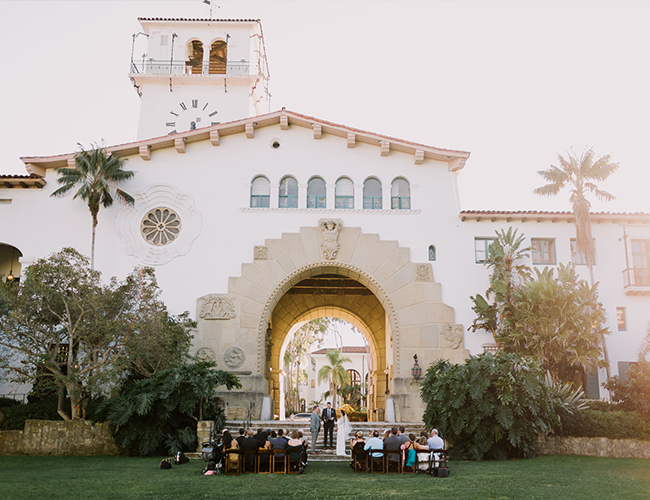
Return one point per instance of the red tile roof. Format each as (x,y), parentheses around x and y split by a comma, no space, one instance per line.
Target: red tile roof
(349,349)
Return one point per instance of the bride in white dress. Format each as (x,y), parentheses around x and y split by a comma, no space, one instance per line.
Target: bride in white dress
(343,428)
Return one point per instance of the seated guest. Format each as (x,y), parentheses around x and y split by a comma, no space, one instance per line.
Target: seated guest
(304,446)
(261,438)
(356,444)
(294,440)
(392,443)
(264,448)
(435,442)
(273,436)
(279,443)
(422,448)
(249,443)
(401,435)
(375,443)
(241,437)
(285,434)
(386,433)
(233,457)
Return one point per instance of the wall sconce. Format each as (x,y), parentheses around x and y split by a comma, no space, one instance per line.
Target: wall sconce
(416,371)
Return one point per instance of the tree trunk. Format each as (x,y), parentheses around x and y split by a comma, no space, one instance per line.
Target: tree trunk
(608,372)
(59,408)
(92,244)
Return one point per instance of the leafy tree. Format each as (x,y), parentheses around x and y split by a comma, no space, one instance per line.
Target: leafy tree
(634,393)
(557,323)
(580,174)
(504,258)
(96,174)
(296,352)
(158,415)
(63,323)
(492,406)
(334,372)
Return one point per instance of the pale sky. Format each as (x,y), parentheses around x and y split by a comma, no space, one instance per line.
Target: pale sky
(514,83)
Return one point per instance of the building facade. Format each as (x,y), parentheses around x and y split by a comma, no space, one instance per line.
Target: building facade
(286,218)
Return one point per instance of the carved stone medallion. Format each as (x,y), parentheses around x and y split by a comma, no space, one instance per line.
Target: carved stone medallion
(261,253)
(330,245)
(206,354)
(234,357)
(453,334)
(423,272)
(217,307)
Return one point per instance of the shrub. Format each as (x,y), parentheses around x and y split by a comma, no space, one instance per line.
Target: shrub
(15,415)
(158,415)
(606,420)
(634,393)
(490,407)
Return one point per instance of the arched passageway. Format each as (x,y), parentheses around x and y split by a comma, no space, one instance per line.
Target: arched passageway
(10,267)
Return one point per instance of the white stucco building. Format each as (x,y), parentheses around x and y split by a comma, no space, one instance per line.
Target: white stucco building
(286,217)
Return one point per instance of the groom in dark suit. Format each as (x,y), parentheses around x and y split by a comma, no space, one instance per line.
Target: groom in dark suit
(329,417)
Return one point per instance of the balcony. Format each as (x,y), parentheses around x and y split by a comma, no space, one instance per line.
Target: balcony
(636,281)
(159,67)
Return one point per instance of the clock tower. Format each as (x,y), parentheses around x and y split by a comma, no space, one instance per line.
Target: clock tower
(198,72)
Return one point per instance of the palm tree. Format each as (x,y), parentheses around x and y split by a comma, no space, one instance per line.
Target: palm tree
(579,175)
(96,173)
(335,372)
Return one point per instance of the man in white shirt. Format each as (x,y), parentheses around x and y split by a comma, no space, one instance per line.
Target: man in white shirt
(435,442)
(374,443)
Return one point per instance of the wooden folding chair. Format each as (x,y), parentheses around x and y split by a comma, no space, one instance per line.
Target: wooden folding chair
(232,462)
(360,460)
(279,461)
(249,461)
(293,459)
(264,461)
(377,463)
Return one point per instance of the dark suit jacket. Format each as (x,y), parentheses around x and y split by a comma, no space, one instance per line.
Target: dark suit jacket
(392,443)
(325,416)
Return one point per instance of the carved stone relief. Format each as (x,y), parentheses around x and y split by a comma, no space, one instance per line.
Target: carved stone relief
(261,253)
(217,307)
(206,354)
(423,272)
(234,357)
(453,334)
(330,245)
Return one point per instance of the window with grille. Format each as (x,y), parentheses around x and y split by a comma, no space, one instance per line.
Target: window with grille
(482,249)
(620,319)
(316,193)
(288,197)
(432,252)
(543,250)
(344,193)
(372,194)
(641,262)
(260,192)
(400,195)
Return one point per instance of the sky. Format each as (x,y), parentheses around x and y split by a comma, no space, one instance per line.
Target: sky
(514,83)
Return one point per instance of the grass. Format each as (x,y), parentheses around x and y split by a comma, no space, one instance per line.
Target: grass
(565,477)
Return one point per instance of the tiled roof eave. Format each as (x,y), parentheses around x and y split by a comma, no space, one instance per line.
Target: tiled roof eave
(549,216)
(31,181)
(37,164)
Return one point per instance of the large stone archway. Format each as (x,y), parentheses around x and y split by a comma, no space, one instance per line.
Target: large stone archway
(402,313)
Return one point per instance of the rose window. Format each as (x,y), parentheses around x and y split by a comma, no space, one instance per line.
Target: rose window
(160,226)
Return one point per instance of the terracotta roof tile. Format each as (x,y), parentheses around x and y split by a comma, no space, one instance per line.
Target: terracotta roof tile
(349,349)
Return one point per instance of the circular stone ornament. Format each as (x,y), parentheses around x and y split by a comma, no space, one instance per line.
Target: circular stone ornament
(206,354)
(234,357)
(160,226)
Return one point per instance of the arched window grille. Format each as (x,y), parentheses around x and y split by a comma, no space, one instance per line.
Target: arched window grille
(196,57)
(218,58)
(372,194)
(344,193)
(288,193)
(432,252)
(316,193)
(400,194)
(260,192)
(355,377)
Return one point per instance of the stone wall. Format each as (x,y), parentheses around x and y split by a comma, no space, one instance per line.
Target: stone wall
(593,447)
(46,437)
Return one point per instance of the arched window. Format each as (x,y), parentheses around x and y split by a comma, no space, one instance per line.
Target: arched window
(432,252)
(372,194)
(344,194)
(288,193)
(260,192)
(218,58)
(195,62)
(316,193)
(355,377)
(400,194)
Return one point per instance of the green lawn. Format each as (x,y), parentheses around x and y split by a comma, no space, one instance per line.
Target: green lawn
(96,478)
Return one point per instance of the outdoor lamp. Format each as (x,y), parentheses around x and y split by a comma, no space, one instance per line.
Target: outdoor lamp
(416,371)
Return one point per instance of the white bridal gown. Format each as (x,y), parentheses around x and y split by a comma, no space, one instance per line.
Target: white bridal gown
(344,428)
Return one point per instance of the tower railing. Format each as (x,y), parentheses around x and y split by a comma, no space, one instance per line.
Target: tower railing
(168,67)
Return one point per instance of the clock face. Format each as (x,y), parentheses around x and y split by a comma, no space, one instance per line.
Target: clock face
(189,115)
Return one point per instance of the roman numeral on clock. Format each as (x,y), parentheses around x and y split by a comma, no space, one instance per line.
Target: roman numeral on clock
(183,106)
(195,103)
(213,113)
(170,124)
(206,105)
(172,113)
